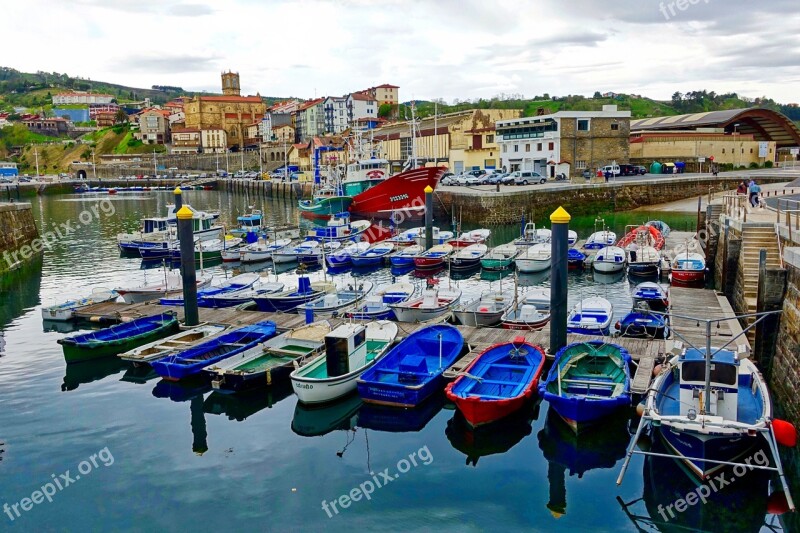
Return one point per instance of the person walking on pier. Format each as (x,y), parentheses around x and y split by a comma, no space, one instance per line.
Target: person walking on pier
(742,188)
(753,189)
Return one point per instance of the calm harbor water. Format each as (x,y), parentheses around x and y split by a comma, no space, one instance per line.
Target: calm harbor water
(179,457)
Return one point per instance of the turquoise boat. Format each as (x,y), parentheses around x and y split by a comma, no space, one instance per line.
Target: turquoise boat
(325,203)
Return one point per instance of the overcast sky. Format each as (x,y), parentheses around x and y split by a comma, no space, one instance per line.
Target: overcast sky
(430,48)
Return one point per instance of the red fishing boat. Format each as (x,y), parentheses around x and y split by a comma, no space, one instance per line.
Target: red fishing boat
(498,382)
(401,193)
(643,236)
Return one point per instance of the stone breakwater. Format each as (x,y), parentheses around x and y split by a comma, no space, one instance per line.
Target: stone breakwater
(17,228)
(489,207)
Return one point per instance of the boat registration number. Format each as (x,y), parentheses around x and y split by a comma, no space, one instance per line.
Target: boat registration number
(398,197)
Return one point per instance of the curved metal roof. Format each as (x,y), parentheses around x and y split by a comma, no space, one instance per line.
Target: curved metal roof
(763,124)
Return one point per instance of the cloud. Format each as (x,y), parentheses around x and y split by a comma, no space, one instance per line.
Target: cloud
(167,7)
(163,64)
(189,10)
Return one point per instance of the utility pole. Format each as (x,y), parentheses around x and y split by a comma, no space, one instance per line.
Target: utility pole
(36,154)
(155,165)
(241,156)
(227,161)
(260,163)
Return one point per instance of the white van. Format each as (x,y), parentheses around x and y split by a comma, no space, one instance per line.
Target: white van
(613,169)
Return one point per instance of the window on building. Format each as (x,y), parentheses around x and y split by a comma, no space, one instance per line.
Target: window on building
(527,147)
(551,146)
(405,148)
(580,164)
(614,127)
(505,148)
(490,138)
(538,147)
(516,148)
(723,150)
(751,150)
(583,124)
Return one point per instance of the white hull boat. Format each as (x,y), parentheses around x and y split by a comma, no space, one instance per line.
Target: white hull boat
(64,312)
(173,344)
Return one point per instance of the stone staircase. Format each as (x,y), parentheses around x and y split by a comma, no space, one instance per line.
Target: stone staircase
(754,239)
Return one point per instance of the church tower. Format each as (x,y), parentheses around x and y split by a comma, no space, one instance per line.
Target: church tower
(230,84)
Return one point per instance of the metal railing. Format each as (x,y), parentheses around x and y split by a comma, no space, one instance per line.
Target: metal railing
(735,206)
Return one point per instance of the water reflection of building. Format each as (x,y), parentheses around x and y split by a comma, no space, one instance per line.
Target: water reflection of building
(491,439)
(340,415)
(19,290)
(577,454)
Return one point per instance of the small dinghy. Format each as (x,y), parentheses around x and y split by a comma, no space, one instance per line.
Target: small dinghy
(536,258)
(572,237)
(587,382)
(170,345)
(413,369)
(170,284)
(530,236)
(64,312)
(600,239)
(643,236)
(526,315)
(498,382)
(485,311)
(314,256)
(343,257)
(590,316)
(654,295)
(289,299)
(405,257)
(409,236)
(118,338)
(688,267)
(272,363)
(373,255)
(500,257)
(335,302)
(190,362)
(262,251)
(231,299)
(340,228)
(468,238)
(468,257)
(643,324)
(350,350)
(647,262)
(609,260)
(438,237)
(376,304)
(575,259)
(290,254)
(433,303)
(433,257)
(234,284)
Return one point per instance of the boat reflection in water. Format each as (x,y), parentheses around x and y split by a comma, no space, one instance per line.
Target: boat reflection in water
(741,505)
(608,278)
(58,326)
(566,451)
(465,274)
(393,420)
(139,374)
(490,439)
(88,371)
(401,271)
(533,279)
(240,406)
(342,415)
(496,275)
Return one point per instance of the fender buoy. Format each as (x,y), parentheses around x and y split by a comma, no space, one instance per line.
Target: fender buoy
(785,433)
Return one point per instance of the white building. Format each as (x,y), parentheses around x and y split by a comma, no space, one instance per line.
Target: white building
(335,109)
(360,105)
(528,143)
(81,98)
(213,141)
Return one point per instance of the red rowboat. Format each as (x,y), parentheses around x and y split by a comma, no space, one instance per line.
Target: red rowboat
(688,268)
(498,382)
(434,257)
(468,238)
(402,193)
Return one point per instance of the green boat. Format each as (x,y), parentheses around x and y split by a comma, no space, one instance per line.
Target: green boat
(119,338)
(273,363)
(500,257)
(325,203)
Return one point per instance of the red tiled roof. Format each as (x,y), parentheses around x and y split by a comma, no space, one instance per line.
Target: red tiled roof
(386,86)
(254,99)
(362,97)
(309,103)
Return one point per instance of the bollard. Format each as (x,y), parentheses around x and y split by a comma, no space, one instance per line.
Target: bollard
(178,198)
(428,217)
(559,224)
(188,272)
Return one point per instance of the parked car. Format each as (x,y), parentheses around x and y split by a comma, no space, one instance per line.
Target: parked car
(476,172)
(632,170)
(613,169)
(640,170)
(525,177)
(471,179)
(448,180)
(495,178)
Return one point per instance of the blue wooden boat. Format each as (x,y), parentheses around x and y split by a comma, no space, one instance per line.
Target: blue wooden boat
(654,295)
(192,361)
(376,306)
(575,259)
(498,382)
(413,369)
(235,298)
(405,257)
(591,316)
(374,255)
(288,300)
(643,324)
(588,381)
(236,283)
(118,338)
(343,257)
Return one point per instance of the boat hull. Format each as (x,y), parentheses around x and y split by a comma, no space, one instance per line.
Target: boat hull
(607,267)
(360,261)
(477,319)
(326,207)
(533,265)
(76,353)
(688,444)
(496,264)
(525,326)
(404,192)
(284,303)
(239,382)
(643,269)
(404,261)
(394,395)
(688,276)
